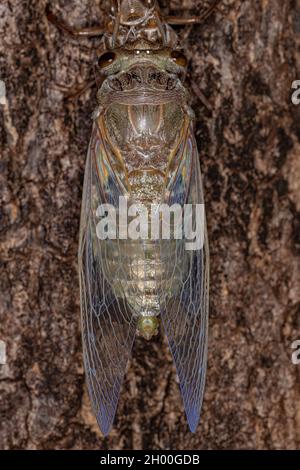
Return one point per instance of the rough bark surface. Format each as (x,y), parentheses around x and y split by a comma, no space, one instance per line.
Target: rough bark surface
(244,59)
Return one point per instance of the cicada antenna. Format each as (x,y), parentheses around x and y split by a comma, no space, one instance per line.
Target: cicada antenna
(117,22)
(116,6)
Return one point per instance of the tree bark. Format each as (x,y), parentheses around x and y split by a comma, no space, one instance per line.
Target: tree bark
(244,59)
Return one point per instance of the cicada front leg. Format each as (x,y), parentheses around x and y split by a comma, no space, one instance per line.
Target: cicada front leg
(201,96)
(73,92)
(85,32)
(191,20)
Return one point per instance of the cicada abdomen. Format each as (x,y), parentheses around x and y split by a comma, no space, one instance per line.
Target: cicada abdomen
(142,154)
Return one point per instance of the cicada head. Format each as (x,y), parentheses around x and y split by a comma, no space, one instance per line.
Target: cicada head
(137,35)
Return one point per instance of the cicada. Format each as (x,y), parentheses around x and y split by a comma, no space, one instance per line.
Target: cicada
(142,149)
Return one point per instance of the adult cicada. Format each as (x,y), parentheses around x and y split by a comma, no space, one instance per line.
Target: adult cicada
(143,150)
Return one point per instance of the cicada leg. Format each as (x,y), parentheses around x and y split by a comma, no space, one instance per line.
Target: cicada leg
(178,20)
(85,32)
(75,92)
(201,96)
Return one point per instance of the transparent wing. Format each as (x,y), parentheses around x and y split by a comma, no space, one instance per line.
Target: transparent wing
(185,299)
(108,324)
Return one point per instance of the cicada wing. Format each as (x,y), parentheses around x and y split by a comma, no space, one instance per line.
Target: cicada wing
(185,303)
(108,325)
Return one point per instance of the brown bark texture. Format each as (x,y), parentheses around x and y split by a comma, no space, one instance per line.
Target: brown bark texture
(244,59)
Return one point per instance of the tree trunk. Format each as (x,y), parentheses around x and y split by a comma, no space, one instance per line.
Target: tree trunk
(244,59)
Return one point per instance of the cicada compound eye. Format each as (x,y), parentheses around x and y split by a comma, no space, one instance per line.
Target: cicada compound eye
(106,59)
(179,58)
